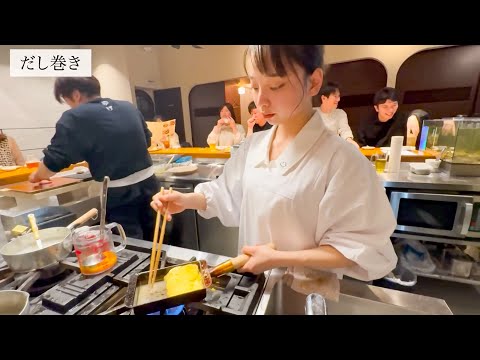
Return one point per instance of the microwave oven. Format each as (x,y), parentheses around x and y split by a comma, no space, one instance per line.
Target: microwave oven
(438,214)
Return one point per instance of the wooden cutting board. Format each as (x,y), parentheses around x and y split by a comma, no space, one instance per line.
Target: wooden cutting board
(30,188)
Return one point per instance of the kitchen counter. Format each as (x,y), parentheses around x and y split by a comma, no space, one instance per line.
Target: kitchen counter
(205,172)
(434,181)
(356,290)
(403,179)
(180,253)
(356,298)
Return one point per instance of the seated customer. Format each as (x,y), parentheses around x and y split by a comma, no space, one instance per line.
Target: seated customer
(173,140)
(387,122)
(335,119)
(257,122)
(10,154)
(227,132)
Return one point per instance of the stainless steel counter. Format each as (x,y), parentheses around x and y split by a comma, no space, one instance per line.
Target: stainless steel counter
(356,298)
(434,181)
(355,292)
(403,179)
(205,172)
(180,253)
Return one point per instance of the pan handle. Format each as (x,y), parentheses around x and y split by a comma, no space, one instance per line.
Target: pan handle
(34,276)
(92,213)
(68,242)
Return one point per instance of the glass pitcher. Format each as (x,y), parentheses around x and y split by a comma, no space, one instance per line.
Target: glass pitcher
(96,254)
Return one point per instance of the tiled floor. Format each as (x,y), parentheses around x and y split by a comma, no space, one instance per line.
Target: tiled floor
(463,299)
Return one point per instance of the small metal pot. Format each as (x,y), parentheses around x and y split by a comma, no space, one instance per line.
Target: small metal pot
(14,302)
(23,255)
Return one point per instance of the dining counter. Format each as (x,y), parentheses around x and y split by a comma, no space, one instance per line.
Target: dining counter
(443,181)
(22,174)
(412,156)
(14,176)
(197,152)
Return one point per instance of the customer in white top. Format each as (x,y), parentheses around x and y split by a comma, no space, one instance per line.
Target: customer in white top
(227,132)
(335,119)
(298,185)
(174,140)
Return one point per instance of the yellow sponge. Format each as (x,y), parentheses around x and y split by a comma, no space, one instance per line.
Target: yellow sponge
(19,230)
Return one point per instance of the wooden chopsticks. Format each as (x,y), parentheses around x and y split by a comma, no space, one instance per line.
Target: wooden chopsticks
(157,248)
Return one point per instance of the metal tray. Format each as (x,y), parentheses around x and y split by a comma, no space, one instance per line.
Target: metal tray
(161,303)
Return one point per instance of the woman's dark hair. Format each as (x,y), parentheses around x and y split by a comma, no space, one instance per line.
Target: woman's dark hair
(251,106)
(275,60)
(230,108)
(382,95)
(65,86)
(328,89)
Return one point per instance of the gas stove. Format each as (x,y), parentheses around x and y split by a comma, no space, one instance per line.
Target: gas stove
(63,290)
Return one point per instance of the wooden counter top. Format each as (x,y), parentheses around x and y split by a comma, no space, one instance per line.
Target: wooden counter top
(419,156)
(22,174)
(194,152)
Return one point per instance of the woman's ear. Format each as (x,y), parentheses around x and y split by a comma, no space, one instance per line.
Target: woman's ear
(316,80)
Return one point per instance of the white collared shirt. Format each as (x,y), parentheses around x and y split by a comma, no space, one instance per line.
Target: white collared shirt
(319,191)
(226,137)
(337,121)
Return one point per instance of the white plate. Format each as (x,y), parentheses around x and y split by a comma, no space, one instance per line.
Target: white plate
(9,168)
(368,147)
(183,170)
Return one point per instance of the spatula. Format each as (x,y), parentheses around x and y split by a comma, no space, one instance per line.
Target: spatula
(36,234)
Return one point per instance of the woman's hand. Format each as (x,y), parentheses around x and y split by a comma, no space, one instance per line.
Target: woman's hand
(220,122)
(232,124)
(262,258)
(176,202)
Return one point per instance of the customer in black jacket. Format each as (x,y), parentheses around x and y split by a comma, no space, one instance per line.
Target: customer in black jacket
(387,122)
(112,136)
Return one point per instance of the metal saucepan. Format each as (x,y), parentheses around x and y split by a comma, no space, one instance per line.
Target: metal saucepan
(14,302)
(23,255)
